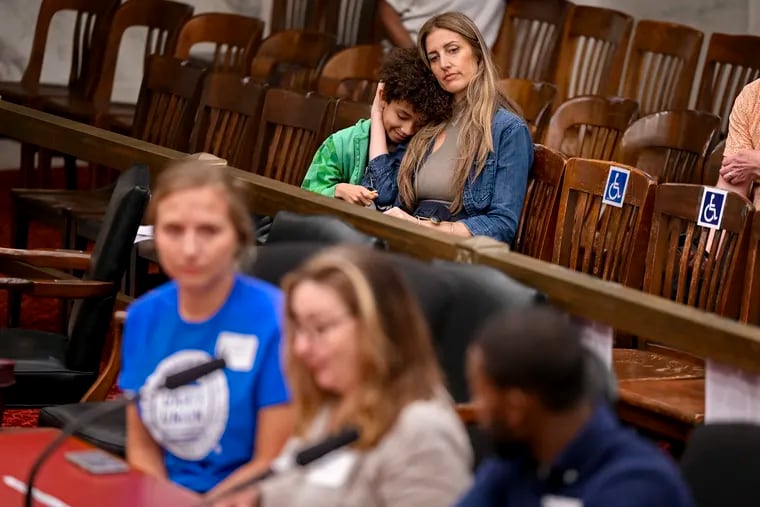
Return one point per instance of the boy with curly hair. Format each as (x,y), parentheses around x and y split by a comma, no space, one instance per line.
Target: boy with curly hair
(410,98)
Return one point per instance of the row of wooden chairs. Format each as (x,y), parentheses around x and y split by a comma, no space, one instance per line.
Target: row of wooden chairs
(583,50)
(652,241)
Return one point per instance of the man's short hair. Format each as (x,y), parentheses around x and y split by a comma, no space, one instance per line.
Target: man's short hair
(539,350)
(408,79)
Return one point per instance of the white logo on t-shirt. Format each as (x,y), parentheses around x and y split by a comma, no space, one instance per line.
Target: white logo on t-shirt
(188,421)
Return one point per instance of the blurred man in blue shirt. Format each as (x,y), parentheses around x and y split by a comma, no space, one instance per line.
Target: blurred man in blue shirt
(554,444)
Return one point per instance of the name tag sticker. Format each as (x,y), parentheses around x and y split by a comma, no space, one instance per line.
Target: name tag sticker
(560,501)
(711,208)
(238,350)
(617,184)
(332,471)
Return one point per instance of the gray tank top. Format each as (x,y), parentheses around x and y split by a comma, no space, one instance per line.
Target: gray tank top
(435,178)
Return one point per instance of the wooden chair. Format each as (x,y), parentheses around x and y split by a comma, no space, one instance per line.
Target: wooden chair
(354,23)
(89,31)
(695,265)
(592,52)
(750,308)
(711,169)
(661,64)
(345,114)
(295,15)
(599,239)
(163,20)
(166,109)
(538,220)
(528,43)
(534,99)
(287,139)
(731,62)
(671,145)
(292,59)
(228,118)
(235,38)
(352,73)
(589,127)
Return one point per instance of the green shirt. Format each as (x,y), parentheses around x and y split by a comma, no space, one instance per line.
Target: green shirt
(342,158)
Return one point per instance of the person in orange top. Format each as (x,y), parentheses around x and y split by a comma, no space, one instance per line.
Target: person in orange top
(741,158)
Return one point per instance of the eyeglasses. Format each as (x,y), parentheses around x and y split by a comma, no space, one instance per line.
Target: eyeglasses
(320,330)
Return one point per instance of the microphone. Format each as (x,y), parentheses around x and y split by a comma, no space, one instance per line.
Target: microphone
(304,457)
(171,382)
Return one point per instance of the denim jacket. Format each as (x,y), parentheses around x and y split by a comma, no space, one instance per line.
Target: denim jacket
(492,202)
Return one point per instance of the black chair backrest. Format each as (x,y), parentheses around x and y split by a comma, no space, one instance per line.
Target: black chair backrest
(272,262)
(90,318)
(721,464)
(477,293)
(289,226)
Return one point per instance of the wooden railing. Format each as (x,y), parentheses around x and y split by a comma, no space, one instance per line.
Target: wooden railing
(703,334)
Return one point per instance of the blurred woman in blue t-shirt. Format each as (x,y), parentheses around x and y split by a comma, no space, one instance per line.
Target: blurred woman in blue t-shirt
(228,425)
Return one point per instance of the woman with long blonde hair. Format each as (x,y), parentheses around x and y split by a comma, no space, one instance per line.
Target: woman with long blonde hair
(358,354)
(468,175)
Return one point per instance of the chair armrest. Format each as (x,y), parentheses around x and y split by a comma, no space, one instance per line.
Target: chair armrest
(467,413)
(59,259)
(102,385)
(64,289)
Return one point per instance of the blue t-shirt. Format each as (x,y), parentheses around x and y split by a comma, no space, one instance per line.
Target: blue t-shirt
(605,465)
(206,429)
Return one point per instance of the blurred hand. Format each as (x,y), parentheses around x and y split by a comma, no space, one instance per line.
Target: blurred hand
(356,194)
(741,167)
(248,497)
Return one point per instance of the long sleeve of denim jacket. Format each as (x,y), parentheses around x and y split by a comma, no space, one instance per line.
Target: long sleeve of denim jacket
(493,201)
(382,175)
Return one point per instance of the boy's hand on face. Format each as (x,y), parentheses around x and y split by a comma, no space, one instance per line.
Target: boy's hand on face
(355,194)
(378,103)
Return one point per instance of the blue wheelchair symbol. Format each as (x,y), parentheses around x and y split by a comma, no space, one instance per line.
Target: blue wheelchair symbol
(711,210)
(617,183)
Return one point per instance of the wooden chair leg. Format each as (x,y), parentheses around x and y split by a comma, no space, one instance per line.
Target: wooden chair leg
(70,172)
(26,168)
(45,179)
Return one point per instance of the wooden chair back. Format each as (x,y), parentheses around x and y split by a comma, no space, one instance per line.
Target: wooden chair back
(590,126)
(352,73)
(228,118)
(696,265)
(235,39)
(345,114)
(351,21)
(534,98)
(91,23)
(168,101)
(163,19)
(711,170)
(600,239)
(538,220)
(661,65)
(528,43)
(287,138)
(750,308)
(731,63)
(592,52)
(672,146)
(292,59)
(295,15)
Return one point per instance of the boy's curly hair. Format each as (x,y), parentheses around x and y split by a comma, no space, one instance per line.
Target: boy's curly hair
(407,78)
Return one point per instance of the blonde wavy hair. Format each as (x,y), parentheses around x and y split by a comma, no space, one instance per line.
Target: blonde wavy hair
(397,363)
(476,111)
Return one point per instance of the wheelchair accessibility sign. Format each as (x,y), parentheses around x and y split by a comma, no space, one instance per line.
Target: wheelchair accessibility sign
(617,184)
(711,208)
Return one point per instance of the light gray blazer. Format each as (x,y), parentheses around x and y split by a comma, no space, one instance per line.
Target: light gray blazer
(423,461)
